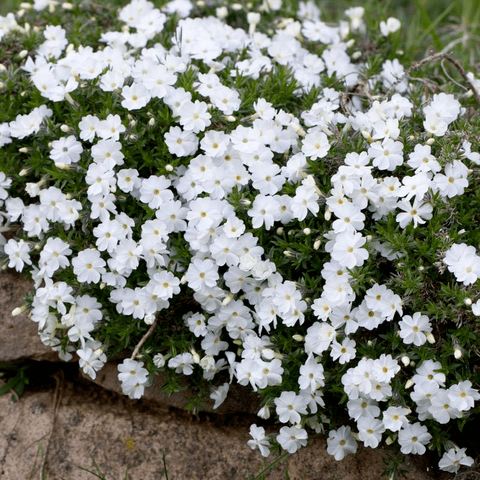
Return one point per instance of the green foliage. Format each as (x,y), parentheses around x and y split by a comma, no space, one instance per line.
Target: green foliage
(407,259)
(13,379)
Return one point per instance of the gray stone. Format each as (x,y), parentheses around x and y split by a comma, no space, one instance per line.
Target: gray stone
(19,335)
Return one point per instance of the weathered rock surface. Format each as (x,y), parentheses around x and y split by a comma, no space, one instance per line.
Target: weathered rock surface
(18,335)
(61,427)
(239,400)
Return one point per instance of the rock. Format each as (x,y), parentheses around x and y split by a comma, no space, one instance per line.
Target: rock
(20,342)
(239,400)
(19,335)
(61,428)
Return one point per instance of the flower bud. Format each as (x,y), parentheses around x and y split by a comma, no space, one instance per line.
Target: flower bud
(280,231)
(317,244)
(307,231)
(467,302)
(390,439)
(405,360)
(221,12)
(457,353)
(264,412)
(367,136)
(430,338)
(207,363)
(195,355)
(19,310)
(356,55)
(228,298)
(298,337)
(430,141)
(159,360)
(268,354)
(149,319)
(98,352)
(67,6)
(169,168)
(409,384)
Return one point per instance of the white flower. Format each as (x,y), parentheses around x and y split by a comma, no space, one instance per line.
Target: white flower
(259,441)
(453,459)
(291,438)
(341,442)
(390,26)
(413,438)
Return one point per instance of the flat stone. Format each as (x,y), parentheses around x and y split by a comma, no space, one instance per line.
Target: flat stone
(239,400)
(61,428)
(19,335)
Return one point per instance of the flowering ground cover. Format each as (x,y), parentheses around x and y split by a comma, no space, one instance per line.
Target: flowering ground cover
(251,194)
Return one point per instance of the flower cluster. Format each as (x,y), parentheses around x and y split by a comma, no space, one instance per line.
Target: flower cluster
(239,201)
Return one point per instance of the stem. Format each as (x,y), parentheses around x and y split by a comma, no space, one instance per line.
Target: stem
(144,339)
(432,58)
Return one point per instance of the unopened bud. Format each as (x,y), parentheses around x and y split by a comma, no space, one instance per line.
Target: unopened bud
(280,231)
(230,118)
(23,150)
(430,141)
(298,129)
(98,352)
(327,215)
(67,6)
(221,12)
(356,55)
(264,412)
(149,319)
(307,231)
(196,356)
(457,353)
(367,136)
(169,168)
(268,354)
(409,384)
(65,128)
(297,337)
(389,440)
(430,338)
(317,244)
(405,360)
(19,310)
(228,298)
(151,122)
(467,302)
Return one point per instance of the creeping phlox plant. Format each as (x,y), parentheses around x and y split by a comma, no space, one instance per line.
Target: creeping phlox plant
(237,197)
